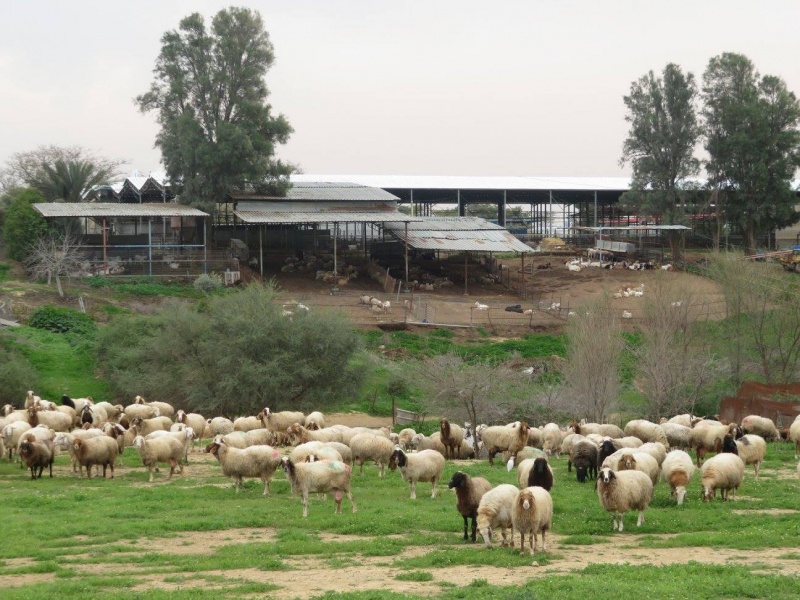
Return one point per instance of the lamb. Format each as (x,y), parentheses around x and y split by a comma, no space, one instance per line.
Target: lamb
(279,422)
(369,446)
(761,426)
(254,461)
(494,511)
(535,472)
(193,420)
(584,456)
(640,461)
(469,491)
(623,491)
(99,450)
(315,421)
(707,438)
(752,449)
(500,438)
(166,449)
(36,453)
(551,439)
(321,476)
(722,472)
(794,435)
(451,435)
(247,423)
(677,471)
(532,514)
(646,431)
(426,465)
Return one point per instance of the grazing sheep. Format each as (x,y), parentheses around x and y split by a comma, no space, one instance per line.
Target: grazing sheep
(677,471)
(761,426)
(36,453)
(469,491)
(502,438)
(583,455)
(628,441)
(640,461)
(451,435)
(752,449)
(369,446)
(704,438)
(99,450)
(247,423)
(220,426)
(646,431)
(623,491)
(423,442)
(193,420)
(426,465)
(320,476)
(259,437)
(166,449)
(602,429)
(253,461)
(684,419)
(535,471)
(532,514)
(794,435)
(279,422)
(677,434)
(404,437)
(494,512)
(551,439)
(315,421)
(722,472)
(183,434)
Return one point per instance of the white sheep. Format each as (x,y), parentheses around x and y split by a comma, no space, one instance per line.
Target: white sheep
(247,423)
(622,491)
(684,419)
(166,449)
(646,431)
(183,434)
(551,439)
(722,472)
(253,461)
(140,409)
(321,476)
(532,514)
(315,420)
(297,434)
(195,421)
(279,422)
(640,461)
(426,465)
(259,437)
(371,447)
(655,449)
(148,426)
(220,426)
(794,435)
(707,437)
(494,512)
(55,420)
(100,450)
(677,471)
(404,437)
(752,450)
(522,455)
(12,434)
(480,306)
(502,438)
(420,441)
(677,434)
(761,426)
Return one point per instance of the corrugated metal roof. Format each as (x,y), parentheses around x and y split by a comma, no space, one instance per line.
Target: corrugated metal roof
(471,234)
(309,191)
(290,217)
(109,209)
(635,228)
(474,183)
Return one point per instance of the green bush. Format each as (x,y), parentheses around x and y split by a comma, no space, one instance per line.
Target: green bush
(16,376)
(62,320)
(22,224)
(208,283)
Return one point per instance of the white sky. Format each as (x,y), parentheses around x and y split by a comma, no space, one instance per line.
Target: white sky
(375,87)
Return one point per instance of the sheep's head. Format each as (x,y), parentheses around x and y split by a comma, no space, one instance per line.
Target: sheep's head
(138,442)
(7,410)
(138,400)
(180,416)
(397,459)
(627,463)
(708,493)
(606,475)
(525,499)
(459,478)
(77,445)
(680,492)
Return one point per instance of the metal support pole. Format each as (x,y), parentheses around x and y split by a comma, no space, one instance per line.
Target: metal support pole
(261,249)
(105,248)
(462,210)
(406,245)
(150,245)
(501,212)
(412,203)
(205,245)
(335,235)
(522,282)
(595,208)
(550,212)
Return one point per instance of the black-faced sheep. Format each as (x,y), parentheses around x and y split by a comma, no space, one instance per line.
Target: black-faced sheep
(36,454)
(583,455)
(722,472)
(321,476)
(677,471)
(494,512)
(253,461)
(535,472)
(532,514)
(451,435)
(99,450)
(504,438)
(426,465)
(624,491)
(469,491)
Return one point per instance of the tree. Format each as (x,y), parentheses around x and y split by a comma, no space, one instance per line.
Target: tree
(232,354)
(22,224)
(660,145)
(59,173)
(217,130)
(752,139)
(673,362)
(591,371)
(54,256)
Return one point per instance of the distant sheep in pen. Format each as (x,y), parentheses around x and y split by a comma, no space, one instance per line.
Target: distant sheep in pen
(322,476)
(426,465)
(532,514)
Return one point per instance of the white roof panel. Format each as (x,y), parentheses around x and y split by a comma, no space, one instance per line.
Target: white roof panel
(115,209)
(473,182)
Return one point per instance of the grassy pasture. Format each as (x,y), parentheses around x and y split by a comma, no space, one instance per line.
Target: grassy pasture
(194,537)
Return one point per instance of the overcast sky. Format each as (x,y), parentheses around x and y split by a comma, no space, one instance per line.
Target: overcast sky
(373,87)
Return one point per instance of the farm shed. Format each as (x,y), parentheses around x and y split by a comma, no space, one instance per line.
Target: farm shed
(122,238)
(780,402)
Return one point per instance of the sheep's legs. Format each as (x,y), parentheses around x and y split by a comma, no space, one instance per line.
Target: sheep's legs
(640,520)
(434,490)
(466,526)
(413,485)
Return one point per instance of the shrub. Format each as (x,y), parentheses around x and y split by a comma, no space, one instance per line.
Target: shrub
(208,283)
(17,376)
(22,224)
(62,320)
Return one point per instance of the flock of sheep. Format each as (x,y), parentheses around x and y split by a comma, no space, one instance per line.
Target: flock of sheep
(626,463)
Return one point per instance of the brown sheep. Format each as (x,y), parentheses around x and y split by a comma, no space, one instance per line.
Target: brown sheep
(469,491)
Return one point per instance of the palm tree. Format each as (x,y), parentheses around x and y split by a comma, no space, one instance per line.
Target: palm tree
(68,180)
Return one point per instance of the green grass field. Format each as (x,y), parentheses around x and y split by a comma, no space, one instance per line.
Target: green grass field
(194,537)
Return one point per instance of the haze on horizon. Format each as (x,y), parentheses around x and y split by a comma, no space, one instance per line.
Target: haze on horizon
(404,88)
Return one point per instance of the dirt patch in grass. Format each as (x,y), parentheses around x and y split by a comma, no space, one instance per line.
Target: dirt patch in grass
(767,511)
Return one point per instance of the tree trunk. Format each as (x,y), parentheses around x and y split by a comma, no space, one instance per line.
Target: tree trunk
(58,286)
(750,237)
